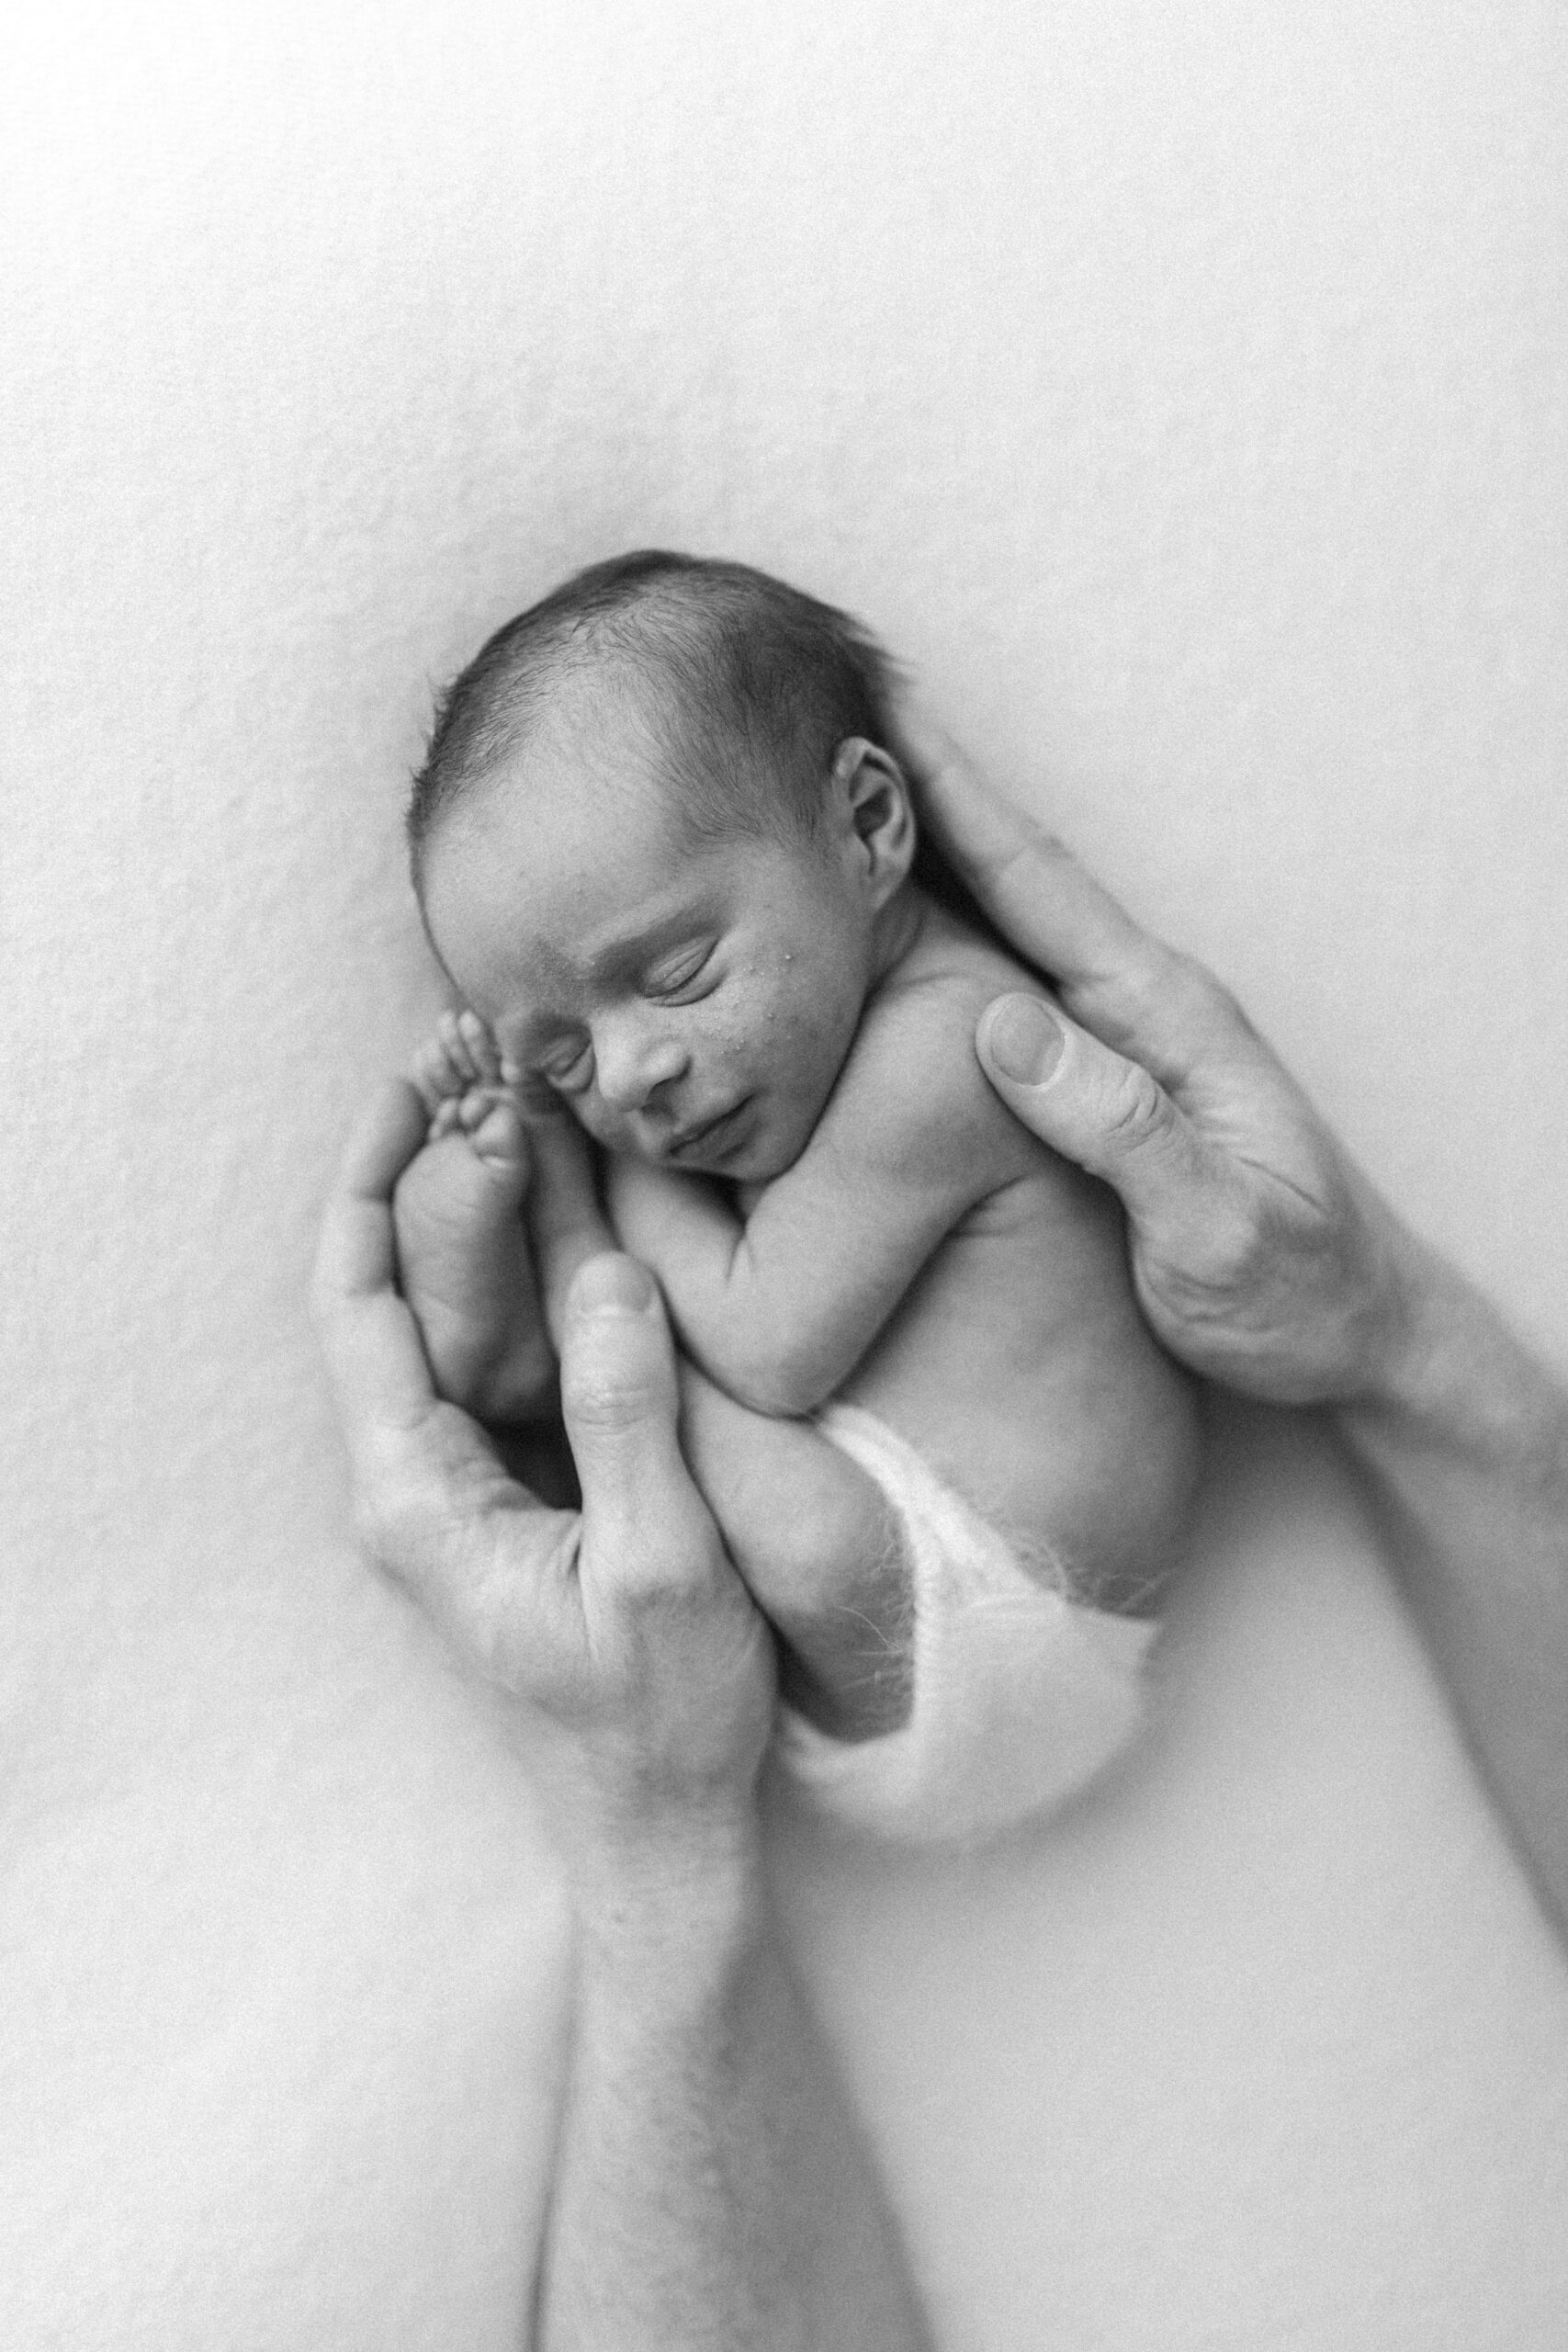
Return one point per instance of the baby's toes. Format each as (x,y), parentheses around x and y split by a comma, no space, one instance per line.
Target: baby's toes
(480,1047)
(494,1130)
(453,1034)
(437,1076)
(428,1072)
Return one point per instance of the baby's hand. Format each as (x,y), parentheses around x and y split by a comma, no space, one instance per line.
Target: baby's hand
(645,1207)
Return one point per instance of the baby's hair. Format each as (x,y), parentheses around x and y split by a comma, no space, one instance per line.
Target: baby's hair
(745,685)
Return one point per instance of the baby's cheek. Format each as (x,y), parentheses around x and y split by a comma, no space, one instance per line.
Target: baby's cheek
(814,1022)
(729,1037)
(784,1026)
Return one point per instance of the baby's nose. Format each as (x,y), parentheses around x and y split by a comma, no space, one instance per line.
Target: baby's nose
(631,1069)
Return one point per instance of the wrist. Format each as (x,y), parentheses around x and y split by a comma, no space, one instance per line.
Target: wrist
(670,1950)
(1402,1328)
(642,1887)
(1391,1286)
(1451,1376)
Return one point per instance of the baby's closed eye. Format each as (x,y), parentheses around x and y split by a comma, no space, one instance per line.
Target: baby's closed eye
(569,1071)
(682,977)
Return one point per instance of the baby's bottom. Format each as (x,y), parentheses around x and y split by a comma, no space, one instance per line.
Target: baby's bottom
(808,1529)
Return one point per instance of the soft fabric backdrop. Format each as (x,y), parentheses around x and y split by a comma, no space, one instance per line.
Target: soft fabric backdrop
(1182,387)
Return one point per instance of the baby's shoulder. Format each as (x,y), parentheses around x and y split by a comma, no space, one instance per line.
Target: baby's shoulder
(914,1069)
(960,966)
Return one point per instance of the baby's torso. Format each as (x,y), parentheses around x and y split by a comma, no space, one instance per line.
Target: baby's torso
(1018,1362)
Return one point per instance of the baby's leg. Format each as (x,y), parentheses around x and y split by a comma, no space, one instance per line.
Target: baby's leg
(813,1538)
(463,1254)
(808,1530)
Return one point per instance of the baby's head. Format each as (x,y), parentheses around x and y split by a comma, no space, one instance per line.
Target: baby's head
(660,847)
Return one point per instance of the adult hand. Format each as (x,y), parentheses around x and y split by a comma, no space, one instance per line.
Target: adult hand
(710,2183)
(1264,1259)
(1261,1256)
(644,1671)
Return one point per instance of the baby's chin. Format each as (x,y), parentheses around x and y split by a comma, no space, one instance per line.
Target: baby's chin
(754,1168)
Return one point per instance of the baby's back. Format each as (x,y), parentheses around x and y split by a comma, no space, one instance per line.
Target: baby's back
(1018,1362)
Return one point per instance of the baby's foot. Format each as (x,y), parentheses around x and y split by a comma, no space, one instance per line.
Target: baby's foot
(462,1251)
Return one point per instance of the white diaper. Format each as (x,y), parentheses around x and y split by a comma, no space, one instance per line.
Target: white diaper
(1021,1695)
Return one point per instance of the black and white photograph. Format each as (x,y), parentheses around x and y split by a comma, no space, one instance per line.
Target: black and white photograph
(783,1522)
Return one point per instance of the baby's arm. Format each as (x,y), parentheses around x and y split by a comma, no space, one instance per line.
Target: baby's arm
(780,1305)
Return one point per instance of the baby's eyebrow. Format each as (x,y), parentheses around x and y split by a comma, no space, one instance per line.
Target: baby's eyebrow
(629,954)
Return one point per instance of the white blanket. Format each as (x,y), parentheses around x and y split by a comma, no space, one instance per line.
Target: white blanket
(1021,1695)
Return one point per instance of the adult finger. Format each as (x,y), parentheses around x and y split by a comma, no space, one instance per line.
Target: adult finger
(1028,880)
(425,1474)
(1099,1109)
(1130,990)
(644,1522)
(372,1346)
(564,1216)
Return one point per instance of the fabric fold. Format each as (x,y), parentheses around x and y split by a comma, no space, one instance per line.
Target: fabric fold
(1021,1695)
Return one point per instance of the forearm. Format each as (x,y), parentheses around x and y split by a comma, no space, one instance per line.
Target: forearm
(711,2188)
(696,1246)
(762,1322)
(1464,1445)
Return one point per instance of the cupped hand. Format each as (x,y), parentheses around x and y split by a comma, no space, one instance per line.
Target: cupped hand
(644,1672)
(1261,1256)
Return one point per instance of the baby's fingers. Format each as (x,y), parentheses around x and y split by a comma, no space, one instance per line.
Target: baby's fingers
(480,1047)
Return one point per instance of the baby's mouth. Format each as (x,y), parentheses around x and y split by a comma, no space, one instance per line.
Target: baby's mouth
(712,1139)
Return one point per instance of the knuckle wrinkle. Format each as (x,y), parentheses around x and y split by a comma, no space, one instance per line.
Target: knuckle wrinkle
(1138,1111)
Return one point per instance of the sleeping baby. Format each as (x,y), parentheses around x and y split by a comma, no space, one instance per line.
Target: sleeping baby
(665,852)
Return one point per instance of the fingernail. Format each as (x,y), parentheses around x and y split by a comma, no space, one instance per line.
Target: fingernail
(614,1285)
(1024,1040)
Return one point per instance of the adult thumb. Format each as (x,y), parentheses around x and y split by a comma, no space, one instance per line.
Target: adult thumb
(620,1400)
(1092,1105)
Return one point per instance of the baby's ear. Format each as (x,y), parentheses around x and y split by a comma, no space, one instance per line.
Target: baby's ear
(872,801)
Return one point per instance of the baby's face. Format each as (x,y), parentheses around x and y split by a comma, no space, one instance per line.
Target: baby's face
(691,1007)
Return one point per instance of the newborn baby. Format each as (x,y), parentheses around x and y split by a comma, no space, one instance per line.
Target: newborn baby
(665,852)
